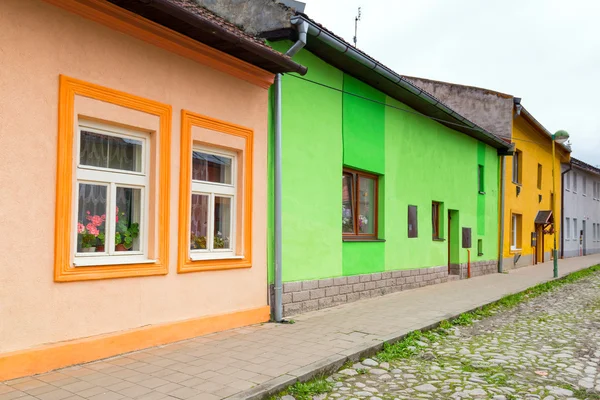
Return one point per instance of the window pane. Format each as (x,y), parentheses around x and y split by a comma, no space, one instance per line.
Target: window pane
(127,221)
(347,201)
(91,218)
(199,228)
(98,150)
(211,168)
(435,219)
(222,231)
(366,205)
(413,230)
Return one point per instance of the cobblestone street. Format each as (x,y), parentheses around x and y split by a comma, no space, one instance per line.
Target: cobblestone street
(546,348)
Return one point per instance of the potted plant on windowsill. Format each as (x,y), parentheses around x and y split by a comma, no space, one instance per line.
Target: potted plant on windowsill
(125,234)
(90,232)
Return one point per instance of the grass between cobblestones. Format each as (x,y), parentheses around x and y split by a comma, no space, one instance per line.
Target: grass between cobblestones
(409,345)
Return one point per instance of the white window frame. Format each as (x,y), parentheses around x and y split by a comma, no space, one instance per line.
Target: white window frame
(212,190)
(112,178)
(568,228)
(514,232)
(584,185)
(574,182)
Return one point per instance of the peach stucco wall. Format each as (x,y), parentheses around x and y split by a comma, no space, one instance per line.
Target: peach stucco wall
(39,42)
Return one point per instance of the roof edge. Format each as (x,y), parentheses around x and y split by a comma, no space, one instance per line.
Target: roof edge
(318,31)
(527,115)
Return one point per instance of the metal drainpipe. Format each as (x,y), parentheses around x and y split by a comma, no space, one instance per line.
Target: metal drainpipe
(302,28)
(562,210)
(502,192)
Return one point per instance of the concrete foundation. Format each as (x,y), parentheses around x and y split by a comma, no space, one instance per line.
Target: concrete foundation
(304,296)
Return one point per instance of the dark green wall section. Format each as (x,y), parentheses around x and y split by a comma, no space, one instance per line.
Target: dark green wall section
(364,140)
(364,126)
(481,150)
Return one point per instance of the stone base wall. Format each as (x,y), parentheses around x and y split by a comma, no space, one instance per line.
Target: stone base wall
(304,296)
(509,262)
(478,268)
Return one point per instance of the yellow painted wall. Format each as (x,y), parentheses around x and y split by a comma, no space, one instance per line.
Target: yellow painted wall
(536,148)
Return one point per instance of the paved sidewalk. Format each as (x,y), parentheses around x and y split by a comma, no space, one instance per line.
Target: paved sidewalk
(254,361)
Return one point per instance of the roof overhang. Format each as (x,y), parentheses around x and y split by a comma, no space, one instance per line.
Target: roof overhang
(176,17)
(531,119)
(340,54)
(543,217)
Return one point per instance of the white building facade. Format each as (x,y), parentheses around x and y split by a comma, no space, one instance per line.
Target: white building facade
(580,234)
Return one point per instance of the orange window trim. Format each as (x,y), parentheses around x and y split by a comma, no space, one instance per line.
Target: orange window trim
(125,21)
(64,271)
(186,264)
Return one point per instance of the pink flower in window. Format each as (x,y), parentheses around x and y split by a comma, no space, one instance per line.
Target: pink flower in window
(96,220)
(92,229)
(103,216)
(80,227)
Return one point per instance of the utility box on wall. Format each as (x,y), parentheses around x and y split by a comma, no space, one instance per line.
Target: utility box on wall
(466,238)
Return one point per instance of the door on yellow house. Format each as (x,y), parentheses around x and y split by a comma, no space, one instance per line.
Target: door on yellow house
(539,248)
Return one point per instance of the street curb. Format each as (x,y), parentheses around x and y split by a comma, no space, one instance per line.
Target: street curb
(333,363)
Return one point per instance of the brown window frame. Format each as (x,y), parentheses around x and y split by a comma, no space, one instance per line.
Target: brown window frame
(540,172)
(435,220)
(356,187)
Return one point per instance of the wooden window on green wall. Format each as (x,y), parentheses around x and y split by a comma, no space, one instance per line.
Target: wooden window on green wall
(413,228)
(359,205)
(436,211)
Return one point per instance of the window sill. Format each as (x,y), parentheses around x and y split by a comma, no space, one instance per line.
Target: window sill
(517,183)
(214,257)
(90,262)
(481,192)
(515,250)
(438,239)
(479,254)
(362,240)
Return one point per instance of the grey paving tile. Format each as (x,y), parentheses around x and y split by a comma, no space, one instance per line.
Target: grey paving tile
(184,393)
(58,394)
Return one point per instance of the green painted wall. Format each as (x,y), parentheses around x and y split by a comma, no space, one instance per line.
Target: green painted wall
(425,162)
(419,161)
(311,171)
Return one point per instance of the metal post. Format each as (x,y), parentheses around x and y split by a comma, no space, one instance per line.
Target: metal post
(502,194)
(555,252)
(278,309)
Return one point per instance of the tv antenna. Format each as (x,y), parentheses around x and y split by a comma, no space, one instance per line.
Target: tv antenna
(356,19)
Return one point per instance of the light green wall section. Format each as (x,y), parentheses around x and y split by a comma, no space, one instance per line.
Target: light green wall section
(425,162)
(311,171)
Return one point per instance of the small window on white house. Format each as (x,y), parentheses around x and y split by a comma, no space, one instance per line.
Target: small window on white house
(575,231)
(213,204)
(584,185)
(568,228)
(574,182)
(111,195)
(568,181)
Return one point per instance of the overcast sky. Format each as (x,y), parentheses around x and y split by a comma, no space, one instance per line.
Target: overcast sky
(545,51)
